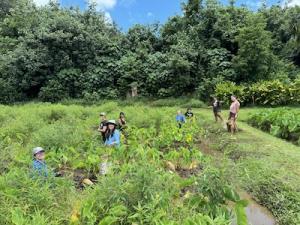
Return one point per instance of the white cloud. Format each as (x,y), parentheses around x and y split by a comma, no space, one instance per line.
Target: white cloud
(108,18)
(150,14)
(41,2)
(292,3)
(253,4)
(105,4)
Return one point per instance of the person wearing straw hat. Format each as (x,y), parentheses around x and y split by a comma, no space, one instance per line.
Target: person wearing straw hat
(103,125)
(112,134)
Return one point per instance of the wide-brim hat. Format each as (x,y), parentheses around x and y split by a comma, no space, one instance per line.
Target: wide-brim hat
(103,114)
(112,122)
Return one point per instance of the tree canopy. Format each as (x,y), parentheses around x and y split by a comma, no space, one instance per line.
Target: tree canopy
(58,53)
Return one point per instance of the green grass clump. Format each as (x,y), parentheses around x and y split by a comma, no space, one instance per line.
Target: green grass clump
(178,102)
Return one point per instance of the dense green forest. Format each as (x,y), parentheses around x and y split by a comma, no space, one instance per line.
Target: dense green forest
(52,53)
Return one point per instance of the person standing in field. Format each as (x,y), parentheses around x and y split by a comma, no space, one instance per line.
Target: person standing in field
(180,119)
(216,105)
(103,126)
(233,113)
(112,134)
(189,113)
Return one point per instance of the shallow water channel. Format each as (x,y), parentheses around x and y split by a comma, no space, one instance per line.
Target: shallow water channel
(256,214)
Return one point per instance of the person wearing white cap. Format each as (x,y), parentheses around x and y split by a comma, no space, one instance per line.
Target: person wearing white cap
(39,164)
(112,134)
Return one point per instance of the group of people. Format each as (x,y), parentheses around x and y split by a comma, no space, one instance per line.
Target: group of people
(181,119)
(233,113)
(110,129)
(216,106)
(110,133)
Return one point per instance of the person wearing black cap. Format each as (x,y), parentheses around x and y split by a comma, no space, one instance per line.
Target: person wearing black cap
(189,113)
(103,126)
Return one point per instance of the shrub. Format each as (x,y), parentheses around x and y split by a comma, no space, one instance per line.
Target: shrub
(224,91)
(8,93)
(265,93)
(53,92)
(271,93)
(283,123)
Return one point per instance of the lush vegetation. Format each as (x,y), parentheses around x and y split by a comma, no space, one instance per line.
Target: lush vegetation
(264,93)
(158,177)
(283,123)
(59,53)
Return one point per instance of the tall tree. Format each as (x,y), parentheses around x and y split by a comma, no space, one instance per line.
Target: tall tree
(255,59)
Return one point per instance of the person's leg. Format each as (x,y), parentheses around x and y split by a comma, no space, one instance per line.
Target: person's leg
(216,116)
(232,125)
(235,125)
(219,115)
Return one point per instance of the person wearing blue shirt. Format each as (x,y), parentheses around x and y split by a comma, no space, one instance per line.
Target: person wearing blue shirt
(180,118)
(112,134)
(39,165)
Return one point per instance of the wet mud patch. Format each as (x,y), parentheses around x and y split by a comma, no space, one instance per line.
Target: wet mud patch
(78,176)
(186,173)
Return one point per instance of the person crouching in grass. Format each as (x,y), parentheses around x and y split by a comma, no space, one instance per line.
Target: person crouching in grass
(103,126)
(112,134)
(180,119)
(189,113)
(39,165)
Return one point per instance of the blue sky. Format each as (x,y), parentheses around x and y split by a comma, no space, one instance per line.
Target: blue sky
(129,12)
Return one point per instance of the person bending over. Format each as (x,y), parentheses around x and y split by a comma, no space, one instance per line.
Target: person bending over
(180,119)
(217,109)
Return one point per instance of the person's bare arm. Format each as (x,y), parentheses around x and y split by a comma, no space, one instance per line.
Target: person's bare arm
(103,129)
(237,109)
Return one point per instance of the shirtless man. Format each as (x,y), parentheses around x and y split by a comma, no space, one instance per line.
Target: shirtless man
(233,113)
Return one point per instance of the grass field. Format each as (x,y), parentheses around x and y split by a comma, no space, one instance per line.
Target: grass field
(159,177)
(266,166)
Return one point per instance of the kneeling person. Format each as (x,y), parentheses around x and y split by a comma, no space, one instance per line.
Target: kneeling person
(112,134)
(39,164)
